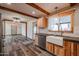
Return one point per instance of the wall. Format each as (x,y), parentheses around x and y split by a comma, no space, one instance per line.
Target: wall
(7,29)
(76,22)
(23,28)
(76,26)
(30,29)
(1,30)
(9,15)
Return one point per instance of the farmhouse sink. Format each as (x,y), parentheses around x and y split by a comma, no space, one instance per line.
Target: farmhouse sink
(55,40)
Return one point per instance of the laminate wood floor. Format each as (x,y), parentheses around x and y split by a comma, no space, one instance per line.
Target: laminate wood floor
(21,46)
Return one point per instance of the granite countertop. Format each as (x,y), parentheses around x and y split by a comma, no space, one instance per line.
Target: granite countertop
(75,39)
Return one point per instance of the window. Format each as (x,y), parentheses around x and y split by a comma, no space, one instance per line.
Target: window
(53,24)
(65,23)
(61,23)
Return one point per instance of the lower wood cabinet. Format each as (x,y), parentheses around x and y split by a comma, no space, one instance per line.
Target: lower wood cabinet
(77,49)
(49,47)
(54,49)
(60,51)
(73,48)
(68,49)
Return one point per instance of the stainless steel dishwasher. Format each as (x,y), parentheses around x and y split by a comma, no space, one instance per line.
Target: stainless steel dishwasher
(42,41)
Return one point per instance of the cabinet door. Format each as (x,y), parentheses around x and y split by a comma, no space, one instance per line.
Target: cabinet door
(67,46)
(49,47)
(78,49)
(53,48)
(45,22)
(58,50)
(42,22)
(73,49)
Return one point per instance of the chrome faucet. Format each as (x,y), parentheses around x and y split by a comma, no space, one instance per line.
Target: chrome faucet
(61,32)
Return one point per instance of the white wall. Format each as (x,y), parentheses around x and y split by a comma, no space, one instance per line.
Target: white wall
(9,15)
(23,29)
(19,30)
(76,22)
(30,33)
(29,29)
(76,25)
(7,29)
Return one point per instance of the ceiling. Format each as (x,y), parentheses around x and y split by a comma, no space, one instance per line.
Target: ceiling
(34,10)
(50,7)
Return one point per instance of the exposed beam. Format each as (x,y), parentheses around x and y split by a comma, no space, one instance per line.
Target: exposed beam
(38,8)
(72,4)
(8,9)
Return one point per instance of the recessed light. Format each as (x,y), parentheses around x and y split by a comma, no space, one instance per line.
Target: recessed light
(33,12)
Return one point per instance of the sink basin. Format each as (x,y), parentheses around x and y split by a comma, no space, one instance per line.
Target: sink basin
(55,40)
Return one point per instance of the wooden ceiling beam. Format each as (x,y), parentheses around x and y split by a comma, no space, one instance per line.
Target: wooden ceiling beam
(72,4)
(38,8)
(25,14)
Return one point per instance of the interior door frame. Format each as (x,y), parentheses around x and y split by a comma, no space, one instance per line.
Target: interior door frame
(11,24)
(34,23)
(26,26)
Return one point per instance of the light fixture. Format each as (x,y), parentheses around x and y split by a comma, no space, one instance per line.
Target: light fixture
(33,12)
(9,3)
(16,19)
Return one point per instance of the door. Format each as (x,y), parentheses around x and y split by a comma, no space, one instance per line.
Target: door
(7,28)
(14,28)
(34,29)
(24,29)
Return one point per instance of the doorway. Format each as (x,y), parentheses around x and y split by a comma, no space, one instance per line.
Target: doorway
(14,28)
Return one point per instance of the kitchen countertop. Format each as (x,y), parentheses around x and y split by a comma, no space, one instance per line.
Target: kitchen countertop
(74,39)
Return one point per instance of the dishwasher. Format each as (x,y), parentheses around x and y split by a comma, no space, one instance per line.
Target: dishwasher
(42,41)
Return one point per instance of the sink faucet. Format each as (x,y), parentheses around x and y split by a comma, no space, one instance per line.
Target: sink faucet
(62,33)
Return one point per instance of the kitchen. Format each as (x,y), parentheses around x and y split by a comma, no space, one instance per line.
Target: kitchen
(41,33)
(59,39)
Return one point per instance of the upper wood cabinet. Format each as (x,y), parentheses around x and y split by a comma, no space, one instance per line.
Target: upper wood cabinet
(42,22)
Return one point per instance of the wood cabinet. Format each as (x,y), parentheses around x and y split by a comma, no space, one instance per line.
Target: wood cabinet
(49,47)
(42,22)
(77,49)
(54,49)
(69,48)
(73,49)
